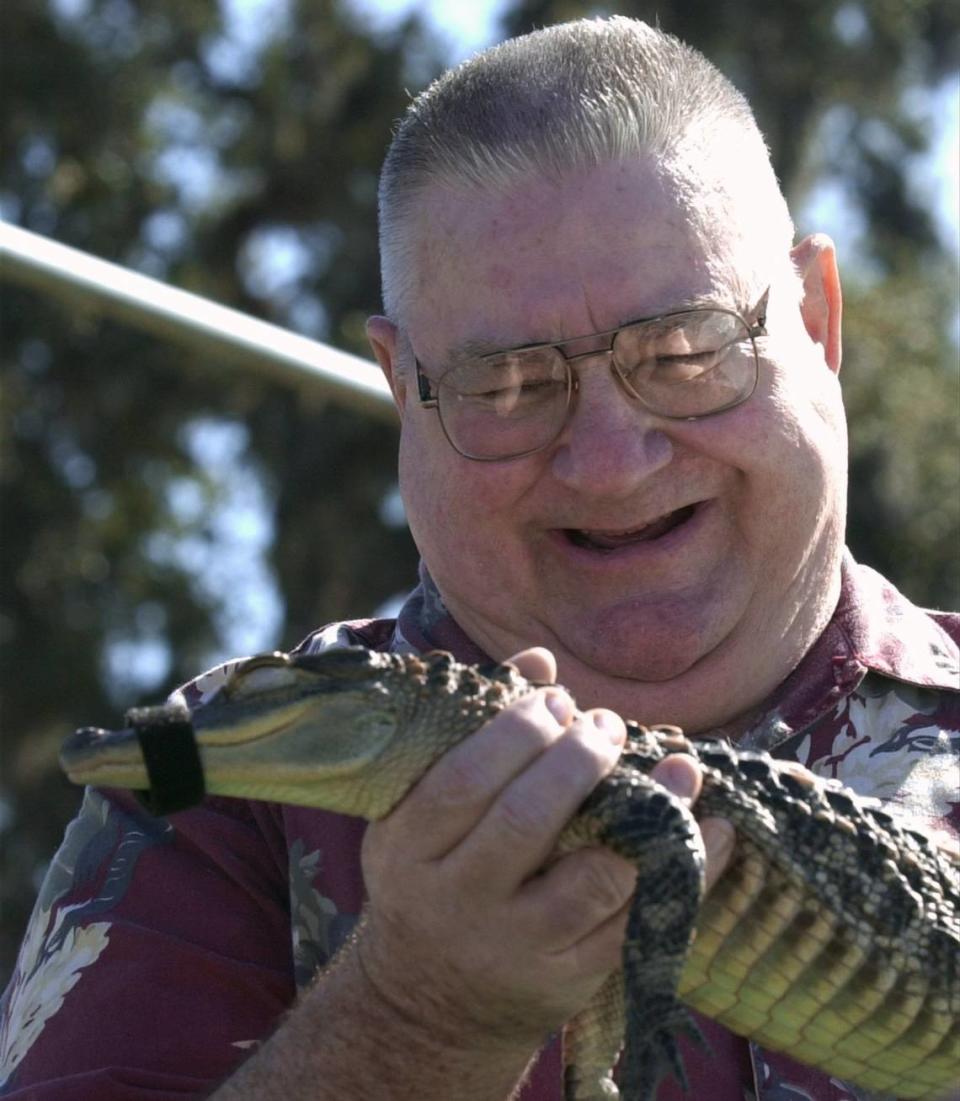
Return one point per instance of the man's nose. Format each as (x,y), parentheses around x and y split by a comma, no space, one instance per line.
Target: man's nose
(611,443)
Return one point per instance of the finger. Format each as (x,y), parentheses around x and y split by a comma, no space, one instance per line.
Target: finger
(601,949)
(680,774)
(603,944)
(537,664)
(799,772)
(458,790)
(520,830)
(577,894)
(719,838)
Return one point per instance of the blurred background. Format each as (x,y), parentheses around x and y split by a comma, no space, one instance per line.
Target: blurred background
(162,511)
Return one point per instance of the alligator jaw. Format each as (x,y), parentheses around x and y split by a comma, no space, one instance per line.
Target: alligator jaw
(104,758)
(114,758)
(264,736)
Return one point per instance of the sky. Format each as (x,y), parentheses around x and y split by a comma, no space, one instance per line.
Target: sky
(469,26)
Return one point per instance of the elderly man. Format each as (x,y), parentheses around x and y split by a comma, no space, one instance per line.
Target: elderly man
(623,460)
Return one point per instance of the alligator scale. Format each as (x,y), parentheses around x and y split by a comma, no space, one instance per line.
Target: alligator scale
(833,935)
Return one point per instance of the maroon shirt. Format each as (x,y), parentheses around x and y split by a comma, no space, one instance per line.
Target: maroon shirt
(161,952)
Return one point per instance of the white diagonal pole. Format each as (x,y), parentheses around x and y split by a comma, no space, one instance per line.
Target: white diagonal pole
(204,326)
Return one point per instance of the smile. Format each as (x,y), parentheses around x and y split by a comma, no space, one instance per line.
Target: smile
(594,539)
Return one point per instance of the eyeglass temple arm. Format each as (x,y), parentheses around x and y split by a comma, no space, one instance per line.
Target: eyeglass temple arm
(427,399)
(759,327)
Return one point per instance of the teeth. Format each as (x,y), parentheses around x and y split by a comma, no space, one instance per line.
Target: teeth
(610,540)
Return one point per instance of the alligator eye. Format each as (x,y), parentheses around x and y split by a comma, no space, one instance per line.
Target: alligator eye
(263,661)
(261,675)
(353,662)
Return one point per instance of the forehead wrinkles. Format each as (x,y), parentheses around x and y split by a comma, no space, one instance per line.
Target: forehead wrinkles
(468,246)
(549,261)
(458,222)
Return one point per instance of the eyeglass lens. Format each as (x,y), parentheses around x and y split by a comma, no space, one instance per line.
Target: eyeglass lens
(512,403)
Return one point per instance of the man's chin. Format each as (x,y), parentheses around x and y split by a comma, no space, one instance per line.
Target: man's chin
(643,665)
(656,641)
(653,673)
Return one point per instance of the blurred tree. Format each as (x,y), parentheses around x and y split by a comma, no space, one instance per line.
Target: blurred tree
(903,407)
(140,492)
(239,160)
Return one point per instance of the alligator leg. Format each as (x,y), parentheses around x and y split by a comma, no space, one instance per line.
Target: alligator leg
(656,832)
(592,1043)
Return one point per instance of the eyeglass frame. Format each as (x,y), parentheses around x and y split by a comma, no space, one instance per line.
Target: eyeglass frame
(429,400)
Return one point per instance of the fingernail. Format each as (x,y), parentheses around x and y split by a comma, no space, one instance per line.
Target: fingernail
(718,835)
(682,782)
(611,724)
(560,706)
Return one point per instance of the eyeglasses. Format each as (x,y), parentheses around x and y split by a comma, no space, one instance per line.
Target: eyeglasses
(681,365)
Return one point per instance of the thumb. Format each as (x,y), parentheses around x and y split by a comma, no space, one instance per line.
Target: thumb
(537,664)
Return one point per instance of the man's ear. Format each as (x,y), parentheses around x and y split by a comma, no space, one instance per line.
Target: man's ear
(815,258)
(382,334)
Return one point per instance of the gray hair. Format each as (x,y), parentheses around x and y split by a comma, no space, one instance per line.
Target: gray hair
(567,97)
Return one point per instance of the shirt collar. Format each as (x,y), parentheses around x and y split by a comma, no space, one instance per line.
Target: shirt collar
(874,629)
(893,637)
(424,623)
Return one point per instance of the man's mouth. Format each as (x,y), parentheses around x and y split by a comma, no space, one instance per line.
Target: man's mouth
(594,539)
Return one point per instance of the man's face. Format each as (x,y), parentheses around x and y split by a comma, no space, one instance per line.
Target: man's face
(678,569)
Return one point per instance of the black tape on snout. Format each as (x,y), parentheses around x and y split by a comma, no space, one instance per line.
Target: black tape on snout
(172,760)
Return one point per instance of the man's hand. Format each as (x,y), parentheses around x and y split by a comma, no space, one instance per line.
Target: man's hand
(476,943)
(470,932)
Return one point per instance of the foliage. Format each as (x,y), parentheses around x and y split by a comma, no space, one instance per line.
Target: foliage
(902,393)
(244,168)
(147,134)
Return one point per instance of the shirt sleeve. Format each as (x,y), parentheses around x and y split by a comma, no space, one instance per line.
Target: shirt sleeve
(158,954)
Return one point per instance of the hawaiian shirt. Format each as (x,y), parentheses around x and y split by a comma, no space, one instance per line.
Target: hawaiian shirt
(160,952)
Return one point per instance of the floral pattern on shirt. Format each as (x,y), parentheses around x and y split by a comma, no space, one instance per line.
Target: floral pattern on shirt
(100,850)
(317,928)
(896,742)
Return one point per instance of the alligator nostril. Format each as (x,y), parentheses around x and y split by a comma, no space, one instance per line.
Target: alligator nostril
(86,736)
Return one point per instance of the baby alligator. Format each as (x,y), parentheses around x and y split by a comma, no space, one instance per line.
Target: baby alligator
(833,935)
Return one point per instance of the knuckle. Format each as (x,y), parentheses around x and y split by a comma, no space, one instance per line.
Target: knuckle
(540,717)
(609,883)
(588,749)
(600,882)
(471,773)
(371,860)
(608,725)
(465,782)
(524,819)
